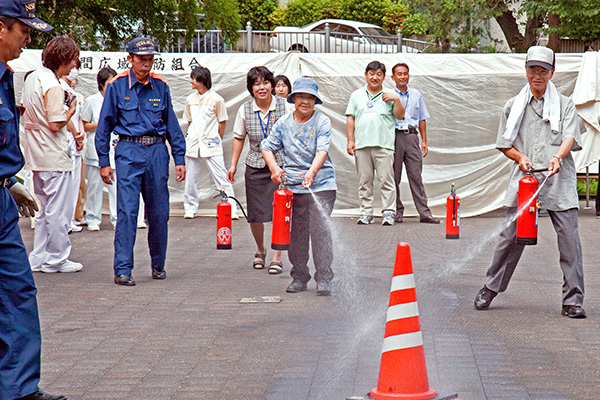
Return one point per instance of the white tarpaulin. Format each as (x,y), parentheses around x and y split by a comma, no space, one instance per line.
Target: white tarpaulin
(586,96)
(464,93)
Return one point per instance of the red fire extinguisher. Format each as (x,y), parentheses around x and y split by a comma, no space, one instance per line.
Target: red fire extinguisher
(528,209)
(282,218)
(224,223)
(452,215)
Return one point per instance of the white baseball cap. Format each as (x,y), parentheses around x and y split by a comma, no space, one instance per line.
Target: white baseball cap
(540,56)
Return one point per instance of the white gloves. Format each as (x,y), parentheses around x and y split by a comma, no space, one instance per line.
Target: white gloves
(25,202)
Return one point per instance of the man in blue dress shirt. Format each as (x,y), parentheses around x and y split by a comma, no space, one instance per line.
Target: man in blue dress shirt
(20,338)
(408,150)
(137,107)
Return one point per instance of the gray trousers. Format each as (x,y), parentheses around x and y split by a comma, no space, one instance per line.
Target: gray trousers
(311,228)
(408,151)
(508,253)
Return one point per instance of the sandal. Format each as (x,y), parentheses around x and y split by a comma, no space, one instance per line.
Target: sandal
(276,267)
(259,264)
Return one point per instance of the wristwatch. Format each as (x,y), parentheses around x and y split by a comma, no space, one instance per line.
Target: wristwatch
(560,160)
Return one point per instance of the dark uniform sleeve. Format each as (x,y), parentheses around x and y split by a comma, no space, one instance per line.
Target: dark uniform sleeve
(174,133)
(106,124)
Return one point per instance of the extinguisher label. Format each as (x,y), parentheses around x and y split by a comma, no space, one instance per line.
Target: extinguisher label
(457,216)
(224,235)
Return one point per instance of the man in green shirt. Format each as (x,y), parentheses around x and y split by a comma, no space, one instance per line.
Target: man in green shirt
(370,128)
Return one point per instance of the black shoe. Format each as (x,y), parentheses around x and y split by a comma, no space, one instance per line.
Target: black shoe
(573,311)
(296,286)
(484,298)
(398,218)
(158,273)
(430,220)
(125,280)
(41,395)
(323,289)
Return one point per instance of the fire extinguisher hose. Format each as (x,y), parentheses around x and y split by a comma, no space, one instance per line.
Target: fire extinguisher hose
(240,206)
(225,197)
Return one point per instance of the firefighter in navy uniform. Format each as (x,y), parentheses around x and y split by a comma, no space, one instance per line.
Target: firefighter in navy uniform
(20,338)
(137,107)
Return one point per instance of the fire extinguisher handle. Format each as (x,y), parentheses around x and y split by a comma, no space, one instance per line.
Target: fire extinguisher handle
(224,196)
(538,170)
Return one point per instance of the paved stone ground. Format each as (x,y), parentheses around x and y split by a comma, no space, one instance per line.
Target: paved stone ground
(188,337)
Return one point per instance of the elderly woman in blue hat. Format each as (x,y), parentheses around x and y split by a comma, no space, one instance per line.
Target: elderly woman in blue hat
(305,136)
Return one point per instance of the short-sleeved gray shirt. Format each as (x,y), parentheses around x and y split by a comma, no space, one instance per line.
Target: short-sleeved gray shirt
(537,141)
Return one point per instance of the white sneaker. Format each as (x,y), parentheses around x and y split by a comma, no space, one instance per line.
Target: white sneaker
(93,228)
(142,225)
(67,266)
(188,216)
(36,268)
(388,217)
(75,228)
(365,220)
(83,222)
(235,216)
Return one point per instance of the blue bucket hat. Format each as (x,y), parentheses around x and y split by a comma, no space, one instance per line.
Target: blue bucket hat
(305,85)
(142,46)
(24,11)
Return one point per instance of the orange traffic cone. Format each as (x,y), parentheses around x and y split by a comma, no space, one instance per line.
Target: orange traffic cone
(403,373)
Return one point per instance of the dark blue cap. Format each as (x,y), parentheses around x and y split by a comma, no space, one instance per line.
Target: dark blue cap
(143,46)
(24,11)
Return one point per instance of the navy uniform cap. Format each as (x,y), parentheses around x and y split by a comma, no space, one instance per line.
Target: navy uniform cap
(24,11)
(142,46)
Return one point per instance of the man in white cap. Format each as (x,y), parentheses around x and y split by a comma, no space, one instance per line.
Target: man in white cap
(20,338)
(538,128)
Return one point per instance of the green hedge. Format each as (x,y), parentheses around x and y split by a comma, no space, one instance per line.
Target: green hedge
(593,186)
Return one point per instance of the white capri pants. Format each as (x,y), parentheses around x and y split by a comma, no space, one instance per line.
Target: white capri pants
(216,167)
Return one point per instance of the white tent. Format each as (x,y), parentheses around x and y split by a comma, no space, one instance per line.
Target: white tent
(464,93)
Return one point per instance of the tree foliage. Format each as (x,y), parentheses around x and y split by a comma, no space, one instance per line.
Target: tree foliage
(576,18)
(370,11)
(257,12)
(224,15)
(303,12)
(107,24)
(452,25)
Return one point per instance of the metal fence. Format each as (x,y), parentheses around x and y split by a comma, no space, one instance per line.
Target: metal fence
(576,45)
(258,41)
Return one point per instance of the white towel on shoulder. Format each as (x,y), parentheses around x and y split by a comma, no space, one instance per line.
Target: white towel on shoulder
(551,111)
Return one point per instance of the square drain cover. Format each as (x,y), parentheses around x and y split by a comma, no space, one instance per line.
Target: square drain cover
(264,299)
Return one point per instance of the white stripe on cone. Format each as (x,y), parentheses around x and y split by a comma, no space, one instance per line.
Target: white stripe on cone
(401,282)
(405,341)
(400,311)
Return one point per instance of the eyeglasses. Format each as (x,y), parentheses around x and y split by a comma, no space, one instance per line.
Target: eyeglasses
(542,73)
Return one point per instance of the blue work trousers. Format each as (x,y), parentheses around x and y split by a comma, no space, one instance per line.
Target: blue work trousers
(141,169)
(20,337)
